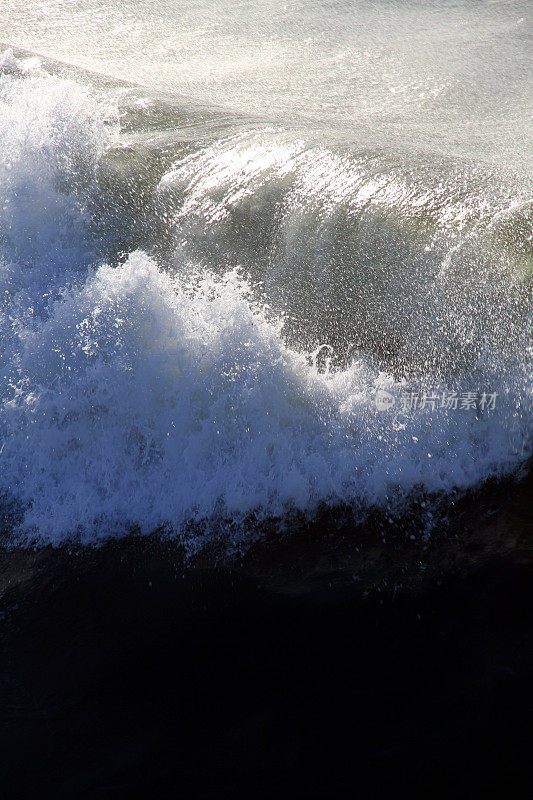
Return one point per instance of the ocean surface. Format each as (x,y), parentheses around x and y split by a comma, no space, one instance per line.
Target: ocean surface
(260,259)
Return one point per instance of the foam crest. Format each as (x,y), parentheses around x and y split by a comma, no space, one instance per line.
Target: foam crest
(52,134)
(146,403)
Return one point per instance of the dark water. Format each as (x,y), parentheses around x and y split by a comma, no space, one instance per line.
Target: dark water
(312,669)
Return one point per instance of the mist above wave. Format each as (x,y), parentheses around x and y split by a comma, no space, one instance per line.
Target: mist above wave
(454,76)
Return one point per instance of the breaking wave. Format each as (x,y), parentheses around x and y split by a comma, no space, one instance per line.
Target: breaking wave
(202,331)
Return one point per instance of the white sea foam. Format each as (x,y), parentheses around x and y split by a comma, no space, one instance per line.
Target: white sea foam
(143,402)
(131,398)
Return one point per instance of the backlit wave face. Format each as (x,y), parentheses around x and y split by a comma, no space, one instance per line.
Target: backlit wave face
(362,250)
(244,323)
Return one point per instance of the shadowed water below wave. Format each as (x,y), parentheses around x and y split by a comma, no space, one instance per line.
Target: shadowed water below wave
(331,663)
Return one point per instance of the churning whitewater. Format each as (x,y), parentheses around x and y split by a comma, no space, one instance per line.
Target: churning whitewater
(206,321)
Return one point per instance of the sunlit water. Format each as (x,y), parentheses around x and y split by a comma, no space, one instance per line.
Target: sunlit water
(291,267)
